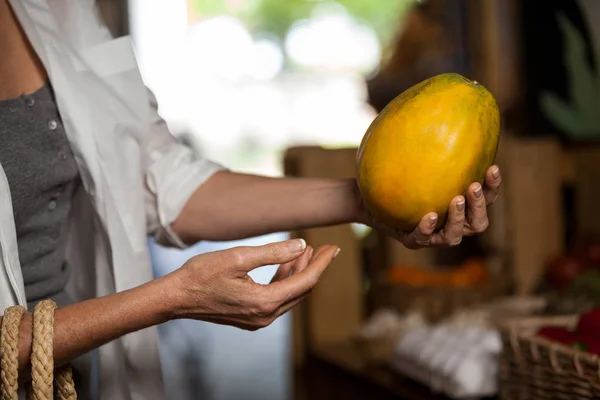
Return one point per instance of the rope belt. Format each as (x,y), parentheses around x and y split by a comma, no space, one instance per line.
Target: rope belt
(45,383)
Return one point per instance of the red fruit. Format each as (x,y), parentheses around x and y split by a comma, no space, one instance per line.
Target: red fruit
(591,254)
(557,334)
(564,269)
(586,342)
(593,347)
(589,324)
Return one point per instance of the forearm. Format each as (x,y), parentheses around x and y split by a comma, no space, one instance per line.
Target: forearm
(82,327)
(232,206)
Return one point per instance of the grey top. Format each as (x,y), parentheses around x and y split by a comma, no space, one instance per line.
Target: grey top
(42,175)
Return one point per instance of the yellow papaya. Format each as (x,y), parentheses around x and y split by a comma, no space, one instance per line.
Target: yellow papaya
(426,147)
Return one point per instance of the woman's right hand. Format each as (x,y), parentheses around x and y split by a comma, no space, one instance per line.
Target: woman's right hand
(216,287)
(212,287)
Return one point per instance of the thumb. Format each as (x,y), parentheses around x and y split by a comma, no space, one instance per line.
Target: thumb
(252,257)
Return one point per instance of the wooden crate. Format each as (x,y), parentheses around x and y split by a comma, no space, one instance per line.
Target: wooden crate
(335,309)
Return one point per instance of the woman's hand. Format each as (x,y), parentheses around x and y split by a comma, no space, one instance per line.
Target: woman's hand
(465,218)
(212,287)
(215,287)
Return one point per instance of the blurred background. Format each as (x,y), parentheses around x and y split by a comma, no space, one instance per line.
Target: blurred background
(289,87)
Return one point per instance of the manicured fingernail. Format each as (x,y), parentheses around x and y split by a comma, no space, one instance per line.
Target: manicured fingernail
(478,191)
(311,252)
(297,245)
(460,205)
(336,252)
(433,219)
(496,173)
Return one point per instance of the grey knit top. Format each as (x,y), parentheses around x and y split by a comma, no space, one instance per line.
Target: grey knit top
(42,176)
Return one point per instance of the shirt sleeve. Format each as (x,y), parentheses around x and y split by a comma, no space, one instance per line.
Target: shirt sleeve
(173,172)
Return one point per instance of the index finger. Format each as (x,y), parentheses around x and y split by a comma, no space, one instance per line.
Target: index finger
(303,282)
(248,258)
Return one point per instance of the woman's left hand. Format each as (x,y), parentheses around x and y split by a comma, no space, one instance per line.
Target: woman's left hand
(466,217)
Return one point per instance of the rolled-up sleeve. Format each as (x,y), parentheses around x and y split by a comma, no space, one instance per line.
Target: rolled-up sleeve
(173,172)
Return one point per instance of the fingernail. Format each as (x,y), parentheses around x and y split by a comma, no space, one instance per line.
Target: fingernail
(336,252)
(460,205)
(433,219)
(478,191)
(496,173)
(311,252)
(297,245)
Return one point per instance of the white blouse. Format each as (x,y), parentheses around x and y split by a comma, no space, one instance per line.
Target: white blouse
(136,178)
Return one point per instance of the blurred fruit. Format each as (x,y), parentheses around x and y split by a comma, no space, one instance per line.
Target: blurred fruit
(563,270)
(469,274)
(590,254)
(557,334)
(589,323)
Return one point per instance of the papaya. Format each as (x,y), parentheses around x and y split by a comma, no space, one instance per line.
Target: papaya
(426,147)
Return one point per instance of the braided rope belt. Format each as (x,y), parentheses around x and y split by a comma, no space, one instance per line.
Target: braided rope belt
(44,380)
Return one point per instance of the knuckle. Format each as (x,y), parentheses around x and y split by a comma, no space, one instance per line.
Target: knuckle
(480,204)
(480,227)
(492,196)
(269,309)
(263,310)
(422,241)
(275,251)
(253,312)
(312,281)
(268,321)
(262,323)
(250,312)
(234,257)
(455,241)
(455,219)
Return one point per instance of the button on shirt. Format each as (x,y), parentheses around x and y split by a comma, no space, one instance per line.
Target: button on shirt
(42,175)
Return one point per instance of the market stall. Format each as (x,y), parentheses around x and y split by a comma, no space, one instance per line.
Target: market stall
(510,313)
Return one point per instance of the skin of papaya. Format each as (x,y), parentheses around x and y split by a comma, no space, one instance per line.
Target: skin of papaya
(426,147)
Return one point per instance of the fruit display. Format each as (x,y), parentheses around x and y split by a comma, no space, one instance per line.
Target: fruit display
(564,270)
(426,147)
(573,280)
(471,273)
(584,337)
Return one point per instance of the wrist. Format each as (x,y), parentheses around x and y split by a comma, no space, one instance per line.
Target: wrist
(357,213)
(183,300)
(167,297)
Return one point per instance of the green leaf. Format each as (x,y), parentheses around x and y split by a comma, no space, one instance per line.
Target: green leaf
(580,118)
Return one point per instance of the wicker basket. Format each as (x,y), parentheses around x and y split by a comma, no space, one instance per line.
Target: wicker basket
(534,368)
